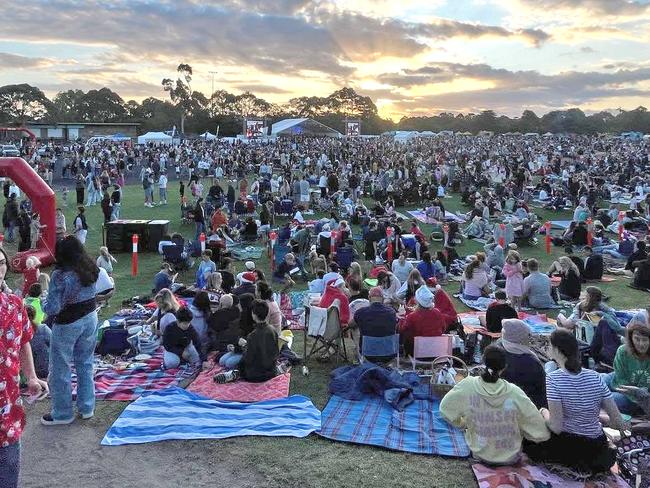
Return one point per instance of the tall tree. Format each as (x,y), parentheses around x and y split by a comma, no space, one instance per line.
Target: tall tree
(68,105)
(103,105)
(19,103)
(180,91)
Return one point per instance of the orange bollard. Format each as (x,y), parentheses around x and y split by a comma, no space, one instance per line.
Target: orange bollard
(134,256)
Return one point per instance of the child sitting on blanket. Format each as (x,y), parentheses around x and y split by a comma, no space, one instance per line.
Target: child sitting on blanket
(181,342)
(259,361)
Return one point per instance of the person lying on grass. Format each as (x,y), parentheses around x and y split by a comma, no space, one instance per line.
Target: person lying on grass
(260,357)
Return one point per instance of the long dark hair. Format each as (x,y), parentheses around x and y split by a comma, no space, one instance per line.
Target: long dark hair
(565,342)
(494,358)
(71,255)
(202,303)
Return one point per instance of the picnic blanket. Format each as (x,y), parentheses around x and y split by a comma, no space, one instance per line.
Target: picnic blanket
(421,215)
(418,428)
(533,476)
(175,413)
(293,308)
(243,252)
(129,384)
(481,304)
(240,391)
(560,224)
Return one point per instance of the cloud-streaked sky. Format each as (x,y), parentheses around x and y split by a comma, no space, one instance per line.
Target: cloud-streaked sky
(413,57)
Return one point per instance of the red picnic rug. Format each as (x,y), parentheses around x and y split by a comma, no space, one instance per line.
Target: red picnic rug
(535,476)
(130,383)
(240,391)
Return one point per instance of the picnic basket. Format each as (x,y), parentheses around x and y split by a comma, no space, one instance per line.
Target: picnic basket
(440,363)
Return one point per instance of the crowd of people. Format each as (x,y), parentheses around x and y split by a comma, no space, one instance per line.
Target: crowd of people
(346,240)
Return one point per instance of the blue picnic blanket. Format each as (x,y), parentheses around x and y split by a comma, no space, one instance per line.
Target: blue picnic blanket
(243,252)
(481,304)
(419,428)
(175,413)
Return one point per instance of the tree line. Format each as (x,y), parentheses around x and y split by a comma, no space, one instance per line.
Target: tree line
(193,112)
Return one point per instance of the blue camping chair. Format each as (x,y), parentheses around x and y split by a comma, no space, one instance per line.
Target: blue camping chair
(381,349)
(345,256)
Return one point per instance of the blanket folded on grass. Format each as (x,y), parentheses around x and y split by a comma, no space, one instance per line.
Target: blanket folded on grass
(178,414)
(240,391)
(418,428)
(533,476)
(481,304)
(128,384)
(243,252)
(421,215)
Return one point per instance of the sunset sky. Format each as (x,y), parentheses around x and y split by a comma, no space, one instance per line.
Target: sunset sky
(413,57)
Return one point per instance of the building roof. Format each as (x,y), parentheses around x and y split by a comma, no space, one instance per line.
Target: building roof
(82,124)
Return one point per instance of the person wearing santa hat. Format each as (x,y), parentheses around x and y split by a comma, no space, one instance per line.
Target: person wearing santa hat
(247,284)
(425,321)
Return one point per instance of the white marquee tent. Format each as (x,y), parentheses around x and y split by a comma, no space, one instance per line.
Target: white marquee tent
(157,137)
(207,136)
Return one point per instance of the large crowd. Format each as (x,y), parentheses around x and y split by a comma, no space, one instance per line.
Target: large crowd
(346,240)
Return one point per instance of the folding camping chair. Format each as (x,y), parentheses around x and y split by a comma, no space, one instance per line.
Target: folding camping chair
(173,254)
(425,349)
(380,347)
(324,325)
(345,257)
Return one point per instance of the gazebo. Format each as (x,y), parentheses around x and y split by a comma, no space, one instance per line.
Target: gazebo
(302,127)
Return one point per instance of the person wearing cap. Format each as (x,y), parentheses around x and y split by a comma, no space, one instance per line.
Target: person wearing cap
(246,284)
(336,291)
(425,321)
(376,320)
(523,368)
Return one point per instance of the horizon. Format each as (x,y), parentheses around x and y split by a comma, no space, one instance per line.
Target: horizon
(415,58)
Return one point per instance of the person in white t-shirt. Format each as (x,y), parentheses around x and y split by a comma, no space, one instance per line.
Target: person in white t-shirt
(162,188)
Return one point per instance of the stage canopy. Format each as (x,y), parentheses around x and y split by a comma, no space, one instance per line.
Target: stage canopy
(302,127)
(159,137)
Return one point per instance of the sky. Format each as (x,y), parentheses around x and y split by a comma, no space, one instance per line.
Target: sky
(412,57)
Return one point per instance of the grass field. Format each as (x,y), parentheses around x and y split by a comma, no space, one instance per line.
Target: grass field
(310,462)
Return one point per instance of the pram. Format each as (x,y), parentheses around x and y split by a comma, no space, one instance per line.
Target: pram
(187,213)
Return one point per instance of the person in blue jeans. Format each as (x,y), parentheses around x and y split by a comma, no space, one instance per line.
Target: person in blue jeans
(181,342)
(71,301)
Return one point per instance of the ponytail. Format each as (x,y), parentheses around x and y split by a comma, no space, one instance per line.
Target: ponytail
(567,344)
(494,358)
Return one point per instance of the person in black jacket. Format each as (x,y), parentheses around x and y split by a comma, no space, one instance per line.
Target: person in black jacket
(227,276)
(223,325)
(181,342)
(259,362)
(594,265)
(638,255)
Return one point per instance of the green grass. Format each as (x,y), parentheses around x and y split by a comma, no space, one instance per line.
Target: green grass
(310,462)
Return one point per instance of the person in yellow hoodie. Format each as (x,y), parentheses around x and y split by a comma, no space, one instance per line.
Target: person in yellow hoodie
(495,415)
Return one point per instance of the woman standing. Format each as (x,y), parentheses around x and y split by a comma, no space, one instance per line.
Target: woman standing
(15,332)
(199,218)
(71,301)
(514,274)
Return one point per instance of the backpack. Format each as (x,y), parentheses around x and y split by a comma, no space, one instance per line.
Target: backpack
(114,342)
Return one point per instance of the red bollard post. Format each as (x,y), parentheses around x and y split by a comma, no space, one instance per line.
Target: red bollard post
(273,236)
(502,238)
(389,242)
(134,256)
(202,241)
(333,235)
(590,231)
(547,226)
(621,216)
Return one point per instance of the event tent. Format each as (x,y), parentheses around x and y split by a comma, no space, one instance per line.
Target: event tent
(158,137)
(302,127)
(207,136)
(119,137)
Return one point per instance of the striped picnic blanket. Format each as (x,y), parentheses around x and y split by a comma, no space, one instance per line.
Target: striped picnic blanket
(129,384)
(175,413)
(419,428)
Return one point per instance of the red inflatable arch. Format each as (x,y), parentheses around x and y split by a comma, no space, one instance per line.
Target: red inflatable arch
(43,201)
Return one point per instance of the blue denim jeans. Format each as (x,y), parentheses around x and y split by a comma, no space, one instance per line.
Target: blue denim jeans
(115,213)
(230,360)
(172,361)
(162,192)
(624,404)
(70,343)
(9,465)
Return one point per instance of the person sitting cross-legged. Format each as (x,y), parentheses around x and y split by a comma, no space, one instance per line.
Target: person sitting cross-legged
(181,342)
(259,360)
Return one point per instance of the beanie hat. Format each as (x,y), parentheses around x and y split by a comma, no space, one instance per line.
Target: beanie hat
(249,277)
(424,297)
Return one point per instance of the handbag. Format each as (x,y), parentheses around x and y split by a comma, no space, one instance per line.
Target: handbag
(633,458)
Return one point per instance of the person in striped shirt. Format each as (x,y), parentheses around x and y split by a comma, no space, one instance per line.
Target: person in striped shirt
(575,397)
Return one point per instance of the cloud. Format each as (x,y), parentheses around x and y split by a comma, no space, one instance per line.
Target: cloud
(289,36)
(518,88)
(14,61)
(616,8)
(261,88)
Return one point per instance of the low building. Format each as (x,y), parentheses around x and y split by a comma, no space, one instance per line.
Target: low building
(71,131)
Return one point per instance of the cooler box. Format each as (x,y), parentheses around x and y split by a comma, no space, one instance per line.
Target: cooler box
(156,229)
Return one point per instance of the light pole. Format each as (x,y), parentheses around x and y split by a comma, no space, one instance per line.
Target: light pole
(212,93)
